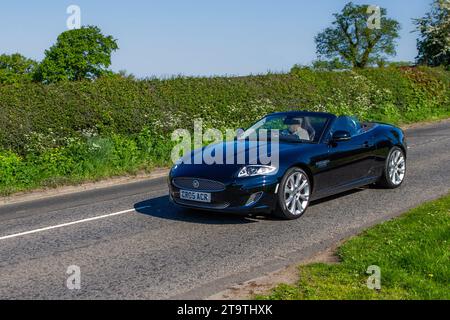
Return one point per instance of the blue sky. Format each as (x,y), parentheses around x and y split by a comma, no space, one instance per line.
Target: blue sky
(196,37)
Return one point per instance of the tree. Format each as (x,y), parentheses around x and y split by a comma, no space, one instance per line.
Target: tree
(434,41)
(78,54)
(16,68)
(353,42)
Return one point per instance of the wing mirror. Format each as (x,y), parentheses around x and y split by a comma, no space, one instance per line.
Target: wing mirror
(341,135)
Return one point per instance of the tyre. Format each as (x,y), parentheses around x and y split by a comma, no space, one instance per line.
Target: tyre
(394,171)
(293,194)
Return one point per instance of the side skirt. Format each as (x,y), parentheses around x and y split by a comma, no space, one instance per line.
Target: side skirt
(346,187)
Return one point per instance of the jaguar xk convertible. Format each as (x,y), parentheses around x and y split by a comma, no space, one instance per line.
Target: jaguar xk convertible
(313,155)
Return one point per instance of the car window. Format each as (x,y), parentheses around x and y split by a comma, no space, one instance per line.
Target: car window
(349,124)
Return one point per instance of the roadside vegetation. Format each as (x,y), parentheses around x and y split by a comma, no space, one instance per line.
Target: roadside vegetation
(69,132)
(412,251)
(69,119)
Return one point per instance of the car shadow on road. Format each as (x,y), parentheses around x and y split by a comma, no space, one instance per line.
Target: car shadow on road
(338,196)
(162,208)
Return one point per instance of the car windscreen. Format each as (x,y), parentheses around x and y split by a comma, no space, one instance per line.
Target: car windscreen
(289,128)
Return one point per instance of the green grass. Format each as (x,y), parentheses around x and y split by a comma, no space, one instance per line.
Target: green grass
(413,252)
(81,160)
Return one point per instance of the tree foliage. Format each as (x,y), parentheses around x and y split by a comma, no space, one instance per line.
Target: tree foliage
(434,41)
(350,39)
(78,54)
(16,68)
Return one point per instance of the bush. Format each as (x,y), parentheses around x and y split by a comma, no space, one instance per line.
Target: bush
(125,106)
(114,125)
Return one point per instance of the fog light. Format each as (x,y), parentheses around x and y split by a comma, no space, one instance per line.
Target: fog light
(254,198)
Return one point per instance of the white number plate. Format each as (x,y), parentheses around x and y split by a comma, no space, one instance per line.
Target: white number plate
(195,196)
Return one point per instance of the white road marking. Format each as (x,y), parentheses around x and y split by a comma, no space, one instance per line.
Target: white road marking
(70,223)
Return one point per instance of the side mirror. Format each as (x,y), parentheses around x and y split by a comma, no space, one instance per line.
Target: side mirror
(341,135)
(239,133)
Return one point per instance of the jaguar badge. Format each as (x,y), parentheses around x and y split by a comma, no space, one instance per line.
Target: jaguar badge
(195,184)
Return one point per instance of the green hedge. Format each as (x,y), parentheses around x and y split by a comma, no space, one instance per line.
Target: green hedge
(79,130)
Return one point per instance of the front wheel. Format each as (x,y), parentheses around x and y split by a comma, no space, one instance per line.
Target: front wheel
(394,169)
(294,194)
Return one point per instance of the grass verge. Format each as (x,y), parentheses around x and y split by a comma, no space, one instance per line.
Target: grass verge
(412,251)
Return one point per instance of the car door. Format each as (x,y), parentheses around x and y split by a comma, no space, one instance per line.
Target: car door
(349,161)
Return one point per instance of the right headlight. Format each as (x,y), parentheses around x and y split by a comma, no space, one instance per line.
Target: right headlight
(255,170)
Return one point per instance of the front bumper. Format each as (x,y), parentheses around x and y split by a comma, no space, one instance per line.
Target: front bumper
(236,198)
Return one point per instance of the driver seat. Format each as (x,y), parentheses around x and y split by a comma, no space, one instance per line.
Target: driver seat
(309,128)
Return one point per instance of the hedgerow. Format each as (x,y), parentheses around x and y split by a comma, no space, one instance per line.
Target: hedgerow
(72,131)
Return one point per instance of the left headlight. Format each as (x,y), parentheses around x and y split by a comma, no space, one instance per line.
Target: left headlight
(255,170)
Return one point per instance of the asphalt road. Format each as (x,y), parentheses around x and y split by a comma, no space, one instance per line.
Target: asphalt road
(160,252)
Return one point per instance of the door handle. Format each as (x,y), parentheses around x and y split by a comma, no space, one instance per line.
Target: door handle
(367,144)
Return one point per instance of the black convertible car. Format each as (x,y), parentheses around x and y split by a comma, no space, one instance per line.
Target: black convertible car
(315,155)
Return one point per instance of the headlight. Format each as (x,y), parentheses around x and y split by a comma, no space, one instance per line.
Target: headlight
(256,170)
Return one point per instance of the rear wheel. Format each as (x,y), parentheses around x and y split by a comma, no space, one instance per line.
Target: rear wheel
(394,169)
(294,194)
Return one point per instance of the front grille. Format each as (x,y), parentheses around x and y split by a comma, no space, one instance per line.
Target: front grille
(198,184)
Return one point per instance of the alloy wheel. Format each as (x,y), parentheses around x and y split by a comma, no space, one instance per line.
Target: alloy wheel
(397,167)
(296,193)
